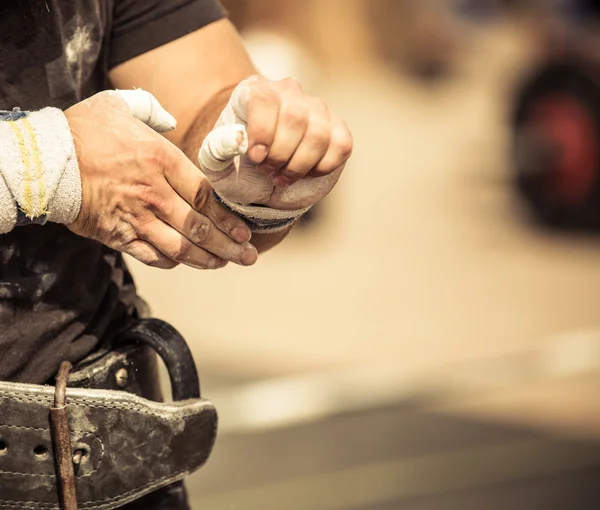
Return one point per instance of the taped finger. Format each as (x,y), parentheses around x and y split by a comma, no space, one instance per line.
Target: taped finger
(145,107)
(221,146)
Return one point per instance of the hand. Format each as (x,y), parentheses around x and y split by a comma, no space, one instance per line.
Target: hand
(141,195)
(295,150)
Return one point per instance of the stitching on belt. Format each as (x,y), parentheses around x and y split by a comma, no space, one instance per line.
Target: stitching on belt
(23,428)
(101,405)
(99,502)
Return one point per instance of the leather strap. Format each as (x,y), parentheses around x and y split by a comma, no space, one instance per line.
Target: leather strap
(128,446)
(61,441)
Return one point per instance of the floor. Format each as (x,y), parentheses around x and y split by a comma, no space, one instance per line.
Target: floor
(399,457)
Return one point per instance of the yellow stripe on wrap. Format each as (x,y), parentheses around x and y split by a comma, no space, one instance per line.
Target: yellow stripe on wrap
(37,161)
(27,207)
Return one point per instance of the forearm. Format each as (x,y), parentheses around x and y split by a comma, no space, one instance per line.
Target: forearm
(203,123)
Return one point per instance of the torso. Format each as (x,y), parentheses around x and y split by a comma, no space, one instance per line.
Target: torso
(58,292)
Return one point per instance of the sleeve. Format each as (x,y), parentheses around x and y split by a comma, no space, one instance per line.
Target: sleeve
(143,25)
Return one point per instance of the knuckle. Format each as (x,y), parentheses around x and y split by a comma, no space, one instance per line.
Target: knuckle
(319,136)
(180,252)
(261,92)
(203,195)
(150,257)
(106,98)
(200,230)
(342,140)
(227,222)
(151,198)
(215,263)
(252,81)
(291,83)
(147,257)
(141,222)
(157,154)
(295,116)
(321,104)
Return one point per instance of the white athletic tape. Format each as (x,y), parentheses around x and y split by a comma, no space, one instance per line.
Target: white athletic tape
(145,107)
(221,146)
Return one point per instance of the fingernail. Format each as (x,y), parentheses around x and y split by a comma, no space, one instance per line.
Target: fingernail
(250,255)
(281,182)
(241,235)
(258,153)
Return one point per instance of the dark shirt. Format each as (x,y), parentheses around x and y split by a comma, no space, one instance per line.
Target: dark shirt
(60,294)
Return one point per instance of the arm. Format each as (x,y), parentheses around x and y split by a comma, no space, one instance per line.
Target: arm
(195,83)
(60,166)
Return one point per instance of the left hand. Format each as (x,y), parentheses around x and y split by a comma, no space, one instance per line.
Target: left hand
(294,152)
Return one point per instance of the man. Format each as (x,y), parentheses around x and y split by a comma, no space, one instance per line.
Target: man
(70,205)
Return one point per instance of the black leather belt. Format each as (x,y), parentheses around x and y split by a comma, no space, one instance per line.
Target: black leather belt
(121,443)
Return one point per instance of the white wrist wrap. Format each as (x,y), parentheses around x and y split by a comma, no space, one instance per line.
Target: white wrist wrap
(263,219)
(216,154)
(39,173)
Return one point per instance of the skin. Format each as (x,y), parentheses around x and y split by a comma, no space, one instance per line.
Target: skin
(158,206)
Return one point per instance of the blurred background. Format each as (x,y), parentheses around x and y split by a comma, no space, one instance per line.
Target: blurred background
(429,337)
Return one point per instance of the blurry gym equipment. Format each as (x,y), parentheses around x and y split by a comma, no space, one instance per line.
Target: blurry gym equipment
(418,37)
(556,120)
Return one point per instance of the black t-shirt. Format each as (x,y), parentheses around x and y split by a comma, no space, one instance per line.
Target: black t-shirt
(60,293)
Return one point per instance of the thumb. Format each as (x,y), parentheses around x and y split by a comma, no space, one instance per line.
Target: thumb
(145,107)
(221,146)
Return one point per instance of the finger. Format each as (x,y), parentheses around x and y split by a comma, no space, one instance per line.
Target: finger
(145,107)
(312,148)
(191,185)
(339,151)
(227,221)
(177,247)
(149,255)
(201,231)
(292,124)
(220,147)
(256,103)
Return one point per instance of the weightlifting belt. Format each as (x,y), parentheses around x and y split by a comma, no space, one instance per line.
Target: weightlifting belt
(119,445)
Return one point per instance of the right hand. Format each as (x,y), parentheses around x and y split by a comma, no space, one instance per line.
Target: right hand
(144,197)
